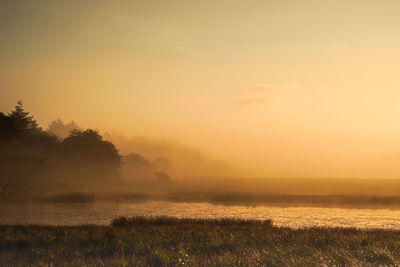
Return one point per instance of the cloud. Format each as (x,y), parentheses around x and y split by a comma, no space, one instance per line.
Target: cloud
(248,100)
(153,32)
(262,87)
(254,95)
(260,93)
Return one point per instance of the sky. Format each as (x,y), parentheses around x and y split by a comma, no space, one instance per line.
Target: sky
(294,88)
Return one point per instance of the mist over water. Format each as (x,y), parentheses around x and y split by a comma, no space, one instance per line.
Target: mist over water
(66,164)
(103,212)
(122,118)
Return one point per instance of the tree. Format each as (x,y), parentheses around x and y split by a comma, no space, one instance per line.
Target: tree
(89,154)
(25,149)
(6,127)
(21,119)
(17,123)
(34,159)
(137,167)
(162,176)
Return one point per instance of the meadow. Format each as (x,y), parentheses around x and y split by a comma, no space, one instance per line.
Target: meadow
(167,241)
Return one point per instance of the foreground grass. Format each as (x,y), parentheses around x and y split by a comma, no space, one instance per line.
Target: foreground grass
(164,241)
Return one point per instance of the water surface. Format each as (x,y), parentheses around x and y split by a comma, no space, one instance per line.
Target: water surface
(103,212)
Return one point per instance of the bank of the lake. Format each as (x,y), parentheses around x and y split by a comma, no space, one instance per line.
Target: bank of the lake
(195,242)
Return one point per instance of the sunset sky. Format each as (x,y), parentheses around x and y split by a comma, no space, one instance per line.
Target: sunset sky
(293,88)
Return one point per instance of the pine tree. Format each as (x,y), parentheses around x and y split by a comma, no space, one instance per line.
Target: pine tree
(21,119)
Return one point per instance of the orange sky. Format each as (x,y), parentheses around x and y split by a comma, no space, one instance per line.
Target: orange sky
(296,88)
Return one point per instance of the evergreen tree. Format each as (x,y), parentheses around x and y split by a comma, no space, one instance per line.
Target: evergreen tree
(21,119)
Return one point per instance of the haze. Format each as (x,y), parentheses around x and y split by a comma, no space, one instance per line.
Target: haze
(278,88)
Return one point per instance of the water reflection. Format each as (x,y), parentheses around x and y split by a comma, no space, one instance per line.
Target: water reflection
(104,212)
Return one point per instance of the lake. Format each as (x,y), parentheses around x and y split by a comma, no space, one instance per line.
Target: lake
(103,212)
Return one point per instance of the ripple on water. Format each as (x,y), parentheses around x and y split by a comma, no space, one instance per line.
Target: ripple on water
(103,213)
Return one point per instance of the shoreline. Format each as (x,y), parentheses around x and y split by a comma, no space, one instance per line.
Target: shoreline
(227,199)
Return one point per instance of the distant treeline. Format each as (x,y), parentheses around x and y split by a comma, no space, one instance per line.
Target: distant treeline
(34,159)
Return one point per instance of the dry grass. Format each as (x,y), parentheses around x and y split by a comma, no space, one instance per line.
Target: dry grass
(162,241)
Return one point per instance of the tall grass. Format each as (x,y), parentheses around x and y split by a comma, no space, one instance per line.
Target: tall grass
(174,221)
(163,241)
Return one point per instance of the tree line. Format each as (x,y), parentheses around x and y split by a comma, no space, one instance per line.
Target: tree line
(31,157)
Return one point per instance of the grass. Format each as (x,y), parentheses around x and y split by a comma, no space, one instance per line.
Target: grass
(164,241)
(173,221)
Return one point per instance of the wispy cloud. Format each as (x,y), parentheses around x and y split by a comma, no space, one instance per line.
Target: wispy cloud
(154,33)
(261,93)
(253,95)
(262,87)
(248,100)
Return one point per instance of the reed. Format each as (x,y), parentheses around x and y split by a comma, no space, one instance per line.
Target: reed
(165,241)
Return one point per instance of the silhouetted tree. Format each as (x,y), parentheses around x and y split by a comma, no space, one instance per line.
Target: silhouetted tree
(164,164)
(17,123)
(25,149)
(162,176)
(137,167)
(32,157)
(90,154)
(6,127)
(21,119)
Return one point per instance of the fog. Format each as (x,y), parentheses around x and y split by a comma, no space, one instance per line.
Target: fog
(65,162)
(263,97)
(217,88)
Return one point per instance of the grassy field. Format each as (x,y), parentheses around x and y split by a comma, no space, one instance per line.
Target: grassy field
(164,241)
